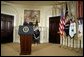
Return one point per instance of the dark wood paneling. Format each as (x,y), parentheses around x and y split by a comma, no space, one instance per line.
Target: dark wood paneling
(25,44)
(6,28)
(54,37)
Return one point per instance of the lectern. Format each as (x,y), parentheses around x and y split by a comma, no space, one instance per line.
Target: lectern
(26,34)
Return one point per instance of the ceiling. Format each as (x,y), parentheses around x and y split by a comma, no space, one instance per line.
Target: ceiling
(37,3)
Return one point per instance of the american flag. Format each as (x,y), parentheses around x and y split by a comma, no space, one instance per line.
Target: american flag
(62,20)
(62,23)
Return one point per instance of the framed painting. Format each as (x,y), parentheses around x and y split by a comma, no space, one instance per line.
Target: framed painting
(32,16)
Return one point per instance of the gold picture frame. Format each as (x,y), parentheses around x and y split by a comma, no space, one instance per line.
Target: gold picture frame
(32,16)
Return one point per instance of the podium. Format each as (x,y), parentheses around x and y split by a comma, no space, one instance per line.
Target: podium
(26,34)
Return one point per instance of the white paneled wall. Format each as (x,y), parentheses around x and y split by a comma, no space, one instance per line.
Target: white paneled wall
(45,13)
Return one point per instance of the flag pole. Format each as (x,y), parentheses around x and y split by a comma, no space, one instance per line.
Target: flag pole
(67,41)
(62,41)
(61,36)
(73,42)
(61,24)
(66,14)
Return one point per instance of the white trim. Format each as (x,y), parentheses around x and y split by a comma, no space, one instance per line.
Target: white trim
(48,28)
(14,23)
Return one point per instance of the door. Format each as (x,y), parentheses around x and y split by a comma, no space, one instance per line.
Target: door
(54,37)
(6,28)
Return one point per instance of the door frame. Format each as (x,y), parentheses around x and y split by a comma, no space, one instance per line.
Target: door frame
(49,28)
(13,24)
